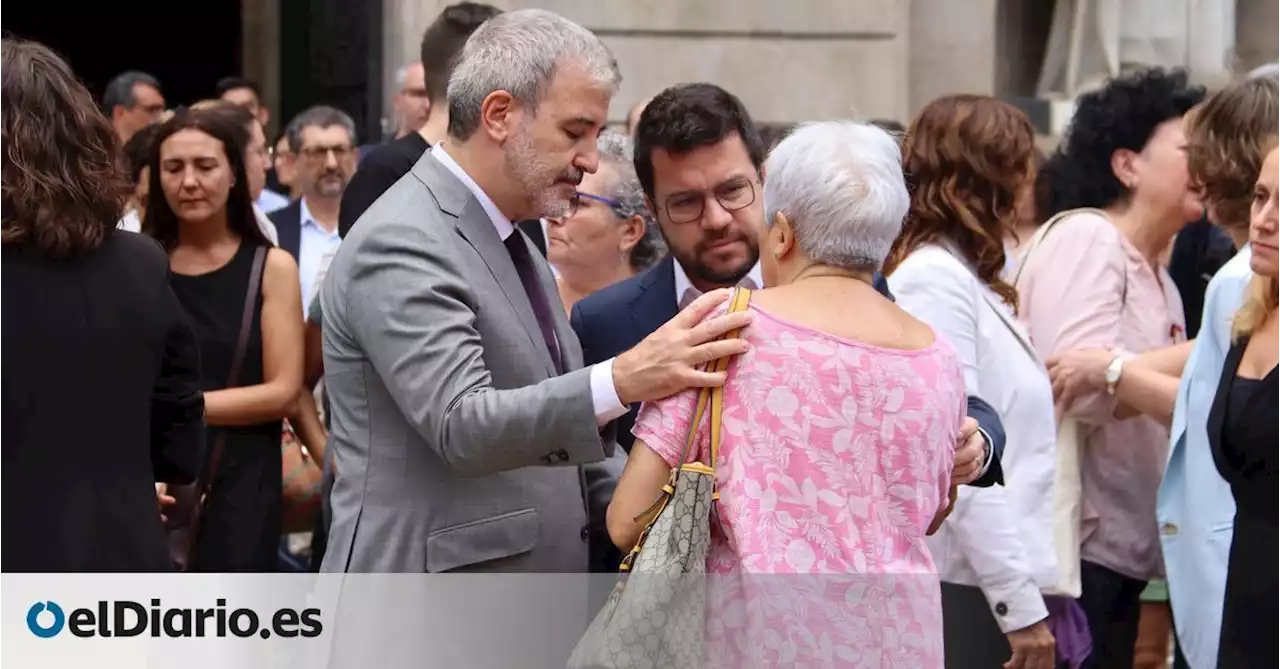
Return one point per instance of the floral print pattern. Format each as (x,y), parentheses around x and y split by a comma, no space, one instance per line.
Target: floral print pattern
(835,457)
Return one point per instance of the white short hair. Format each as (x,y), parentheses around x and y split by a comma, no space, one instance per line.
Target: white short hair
(840,185)
(519,52)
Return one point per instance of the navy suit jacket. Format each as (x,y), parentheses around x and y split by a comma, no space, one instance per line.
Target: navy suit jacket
(288,222)
(613,320)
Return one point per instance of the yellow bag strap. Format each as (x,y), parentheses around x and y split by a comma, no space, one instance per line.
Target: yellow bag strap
(741,298)
(714,396)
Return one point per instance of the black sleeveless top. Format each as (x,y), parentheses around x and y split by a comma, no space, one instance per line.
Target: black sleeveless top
(240,528)
(1243,436)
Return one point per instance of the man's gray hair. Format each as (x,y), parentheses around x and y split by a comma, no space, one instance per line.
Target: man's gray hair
(119,91)
(1267,71)
(616,150)
(322,116)
(519,52)
(840,185)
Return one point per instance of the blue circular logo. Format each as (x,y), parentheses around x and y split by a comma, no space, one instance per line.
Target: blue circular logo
(45,631)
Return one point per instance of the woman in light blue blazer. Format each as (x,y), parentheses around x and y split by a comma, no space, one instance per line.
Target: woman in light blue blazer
(1227,137)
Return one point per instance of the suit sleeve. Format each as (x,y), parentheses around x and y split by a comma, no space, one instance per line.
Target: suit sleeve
(989,423)
(410,311)
(578,322)
(177,404)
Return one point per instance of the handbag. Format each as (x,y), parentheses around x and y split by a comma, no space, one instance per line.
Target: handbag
(1068,494)
(190,500)
(300,484)
(656,614)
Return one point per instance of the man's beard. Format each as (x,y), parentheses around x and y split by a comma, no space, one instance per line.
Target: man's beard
(331,184)
(695,267)
(538,178)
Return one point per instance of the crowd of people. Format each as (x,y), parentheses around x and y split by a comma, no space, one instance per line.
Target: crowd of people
(1039,391)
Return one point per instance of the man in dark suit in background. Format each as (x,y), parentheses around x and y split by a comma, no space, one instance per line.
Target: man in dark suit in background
(324,140)
(692,142)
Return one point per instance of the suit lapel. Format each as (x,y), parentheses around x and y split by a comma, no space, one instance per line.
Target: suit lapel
(290,228)
(656,303)
(1218,410)
(474,225)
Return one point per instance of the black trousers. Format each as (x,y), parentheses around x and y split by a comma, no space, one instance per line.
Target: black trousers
(1111,603)
(971,637)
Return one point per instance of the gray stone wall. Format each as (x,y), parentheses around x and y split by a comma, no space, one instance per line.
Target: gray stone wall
(788,60)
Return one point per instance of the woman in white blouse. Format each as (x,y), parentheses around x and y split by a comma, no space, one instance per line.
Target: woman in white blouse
(969,163)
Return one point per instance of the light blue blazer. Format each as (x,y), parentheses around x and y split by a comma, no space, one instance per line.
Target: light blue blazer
(1194,508)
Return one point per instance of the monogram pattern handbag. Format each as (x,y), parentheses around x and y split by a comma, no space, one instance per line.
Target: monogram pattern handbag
(656,614)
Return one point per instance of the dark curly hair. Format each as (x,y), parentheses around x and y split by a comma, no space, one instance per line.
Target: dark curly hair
(1227,139)
(64,189)
(1122,115)
(965,159)
(161,222)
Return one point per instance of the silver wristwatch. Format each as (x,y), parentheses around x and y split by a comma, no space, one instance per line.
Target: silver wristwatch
(1114,371)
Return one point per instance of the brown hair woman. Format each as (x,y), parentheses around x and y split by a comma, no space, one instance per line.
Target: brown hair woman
(969,165)
(199,209)
(101,394)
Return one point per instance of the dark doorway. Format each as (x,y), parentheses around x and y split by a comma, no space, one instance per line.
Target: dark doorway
(331,54)
(187,46)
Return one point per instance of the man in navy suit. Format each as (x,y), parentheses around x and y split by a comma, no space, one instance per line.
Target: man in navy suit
(695,149)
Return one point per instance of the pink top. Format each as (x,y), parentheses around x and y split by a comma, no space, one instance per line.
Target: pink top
(835,456)
(1086,286)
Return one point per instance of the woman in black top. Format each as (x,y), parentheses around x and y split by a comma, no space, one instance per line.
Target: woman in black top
(200,211)
(1243,437)
(101,369)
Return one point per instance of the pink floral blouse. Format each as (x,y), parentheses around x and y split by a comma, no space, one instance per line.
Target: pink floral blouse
(835,457)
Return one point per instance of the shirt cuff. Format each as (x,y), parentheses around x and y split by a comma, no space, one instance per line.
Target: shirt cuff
(604,396)
(991,453)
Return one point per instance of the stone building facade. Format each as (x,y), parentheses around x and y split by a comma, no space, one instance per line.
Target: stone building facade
(789,60)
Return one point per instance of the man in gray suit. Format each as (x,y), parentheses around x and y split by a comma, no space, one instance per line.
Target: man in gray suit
(461,414)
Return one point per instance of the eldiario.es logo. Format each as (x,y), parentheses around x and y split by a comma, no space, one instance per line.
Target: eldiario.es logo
(124,618)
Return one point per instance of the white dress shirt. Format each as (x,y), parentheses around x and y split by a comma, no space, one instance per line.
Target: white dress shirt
(686,292)
(314,243)
(999,539)
(604,396)
(130,221)
(269,201)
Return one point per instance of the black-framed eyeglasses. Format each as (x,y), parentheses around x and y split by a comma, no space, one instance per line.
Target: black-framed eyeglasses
(732,195)
(575,202)
(318,154)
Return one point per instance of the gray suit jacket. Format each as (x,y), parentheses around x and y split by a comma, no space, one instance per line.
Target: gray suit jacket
(457,447)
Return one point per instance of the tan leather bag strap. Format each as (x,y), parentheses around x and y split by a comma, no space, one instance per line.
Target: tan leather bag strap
(1037,238)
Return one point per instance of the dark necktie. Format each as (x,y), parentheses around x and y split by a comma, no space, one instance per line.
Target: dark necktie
(519,251)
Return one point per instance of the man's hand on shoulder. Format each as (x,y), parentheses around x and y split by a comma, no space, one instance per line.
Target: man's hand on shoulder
(668,360)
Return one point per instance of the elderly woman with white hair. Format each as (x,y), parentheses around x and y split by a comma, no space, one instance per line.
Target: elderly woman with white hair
(836,452)
(609,234)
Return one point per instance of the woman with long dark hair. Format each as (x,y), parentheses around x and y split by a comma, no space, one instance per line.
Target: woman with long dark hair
(200,211)
(969,162)
(101,394)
